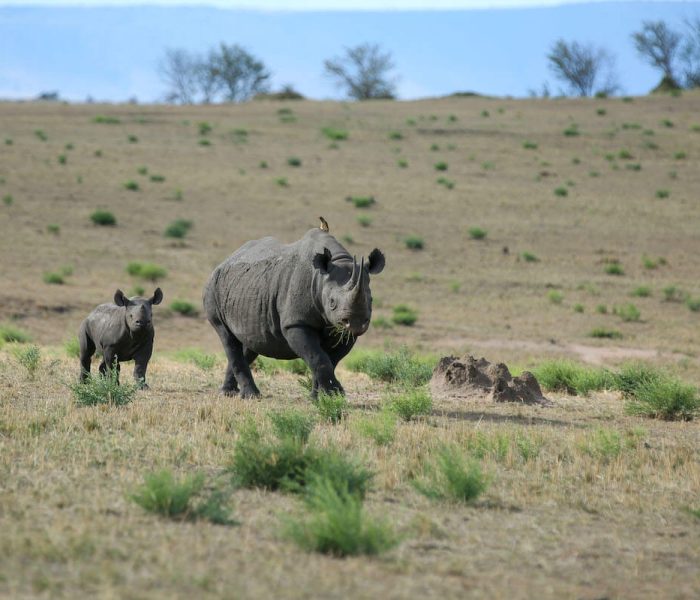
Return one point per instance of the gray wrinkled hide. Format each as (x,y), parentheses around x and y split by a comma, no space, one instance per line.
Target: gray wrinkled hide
(283,301)
(121,331)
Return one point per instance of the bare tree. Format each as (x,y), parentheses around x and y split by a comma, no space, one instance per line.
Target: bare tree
(364,72)
(658,45)
(582,67)
(690,55)
(241,75)
(178,70)
(207,77)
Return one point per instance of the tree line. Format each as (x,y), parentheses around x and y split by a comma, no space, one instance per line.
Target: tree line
(229,73)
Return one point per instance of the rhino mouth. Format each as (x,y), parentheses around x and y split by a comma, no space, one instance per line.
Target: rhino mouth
(346,331)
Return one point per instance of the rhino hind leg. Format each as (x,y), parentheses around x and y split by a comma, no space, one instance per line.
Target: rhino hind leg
(237,369)
(87,349)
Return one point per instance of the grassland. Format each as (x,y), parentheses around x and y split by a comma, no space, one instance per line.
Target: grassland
(584,500)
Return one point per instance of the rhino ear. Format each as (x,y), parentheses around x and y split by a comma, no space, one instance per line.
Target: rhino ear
(322,261)
(120,299)
(376,261)
(157,297)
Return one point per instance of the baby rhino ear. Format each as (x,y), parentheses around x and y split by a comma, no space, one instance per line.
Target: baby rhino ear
(322,261)
(157,297)
(120,299)
(376,261)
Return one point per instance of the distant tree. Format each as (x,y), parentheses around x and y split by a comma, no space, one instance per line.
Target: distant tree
(207,78)
(690,55)
(178,70)
(240,74)
(657,44)
(364,72)
(582,67)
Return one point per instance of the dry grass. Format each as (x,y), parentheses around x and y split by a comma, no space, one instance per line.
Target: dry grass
(584,500)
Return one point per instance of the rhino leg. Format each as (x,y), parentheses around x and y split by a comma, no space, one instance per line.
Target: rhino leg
(87,349)
(140,366)
(109,362)
(237,369)
(306,344)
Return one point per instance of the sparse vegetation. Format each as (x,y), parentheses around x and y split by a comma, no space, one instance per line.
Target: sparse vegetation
(570,378)
(178,229)
(561,191)
(409,404)
(361,201)
(149,271)
(477,233)
(404,315)
(414,242)
(28,357)
(605,332)
(104,218)
(197,357)
(184,308)
(11,333)
(132,186)
(453,477)
(627,312)
(397,367)
(105,389)
(294,161)
(331,407)
(555,296)
(337,135)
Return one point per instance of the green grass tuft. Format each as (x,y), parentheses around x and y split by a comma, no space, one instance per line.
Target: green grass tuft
(184,308)
(452,476)
(570,378)
(399,367)
(103,390)
(149,271)
(404,315)
(414,242)
(410,403)
(331,407)
(178,229)
(104,218)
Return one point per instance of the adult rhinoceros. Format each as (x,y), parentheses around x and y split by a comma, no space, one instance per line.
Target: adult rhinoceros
(309,299)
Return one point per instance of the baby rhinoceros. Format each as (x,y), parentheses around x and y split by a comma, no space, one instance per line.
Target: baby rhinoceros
(120,331)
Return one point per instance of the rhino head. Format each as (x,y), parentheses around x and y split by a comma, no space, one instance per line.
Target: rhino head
(345,297)
(139,312)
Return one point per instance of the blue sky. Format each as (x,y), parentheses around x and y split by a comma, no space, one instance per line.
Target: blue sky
(112,52)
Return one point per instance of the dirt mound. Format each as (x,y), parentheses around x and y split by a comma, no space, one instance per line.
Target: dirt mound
(470,377)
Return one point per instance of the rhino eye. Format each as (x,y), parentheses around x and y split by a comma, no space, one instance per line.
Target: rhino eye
(334,303)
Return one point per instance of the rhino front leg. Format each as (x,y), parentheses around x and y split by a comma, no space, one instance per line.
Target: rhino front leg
(306,345)
(140,366)
(110,362)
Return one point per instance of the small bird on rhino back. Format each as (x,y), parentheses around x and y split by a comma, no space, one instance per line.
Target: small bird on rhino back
(121,331)
(309,299)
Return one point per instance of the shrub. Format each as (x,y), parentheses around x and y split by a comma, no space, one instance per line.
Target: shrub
(441,166)
(572,130)
(204,142)
(334,134)
(603,332)
(345,473)
(155,178)
(282,182)
(10,333)
(178,229)
(528,145)
(555,296)
(292,424)
(404,315)
(625,154)
(602,112)
(693,304)
(485,113)
(529,257)
(53,278)
(381,428)
(402,163)
(361,201)
(571,378)
(364,220)
(410,403)
(643,291)
(655,394)
(106,120)
(414,242)
(8,141)
(449,184)
(614,268)
(197,357)
(162,494)
(7,199)
(627,312)
(62,159)
(338,525)
(183,307)
(29,357)
(399,366)
(72,347)
(673,294)
(41,135)
(601,309)
(103,390)
(332,407)
(104,218)
(561,191)
(603,444)
(294,161)
(395,135)
(53,228)
(477,233)
(132,139)
(149,271)
(131,185)
(633,167)
(452,476)
(434,147)
(662,194)
(578,308)
(204,128)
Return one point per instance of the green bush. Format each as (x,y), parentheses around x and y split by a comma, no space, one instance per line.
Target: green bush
(555,296)
(441,166)
(184,308)
(381,427)
(293,424)
(674,294)
(658,395)
(404,315)
(72,347)
(400,366)
(331,407)
(627,312)
(361,201)
(7,199)
(643,291)
(529,257)
(528,145)
(561,191)
(204,142)
(53,228)
(104,218)
(604,332)
(10,333)
(364,220)
(131,185)
(204,128)
(414,242)
(395,135)
(53,278)
(155,178)
(29,357)
(62,159)
(282,182)
(106,120)
(448,183)
(334,134)
(572,130)
(410,403)
(662,193)
(132,139)
(338,526)
(452,476)
(103,390)
(570,378)
(402,163)
(693,304)
(197,357)
(149,271)
(614,268)
(39,133)
(294,161)
(603,444)
(579,308)
(178,229)
(477,233)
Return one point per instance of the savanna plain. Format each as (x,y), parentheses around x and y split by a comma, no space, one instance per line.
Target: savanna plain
(555,235)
